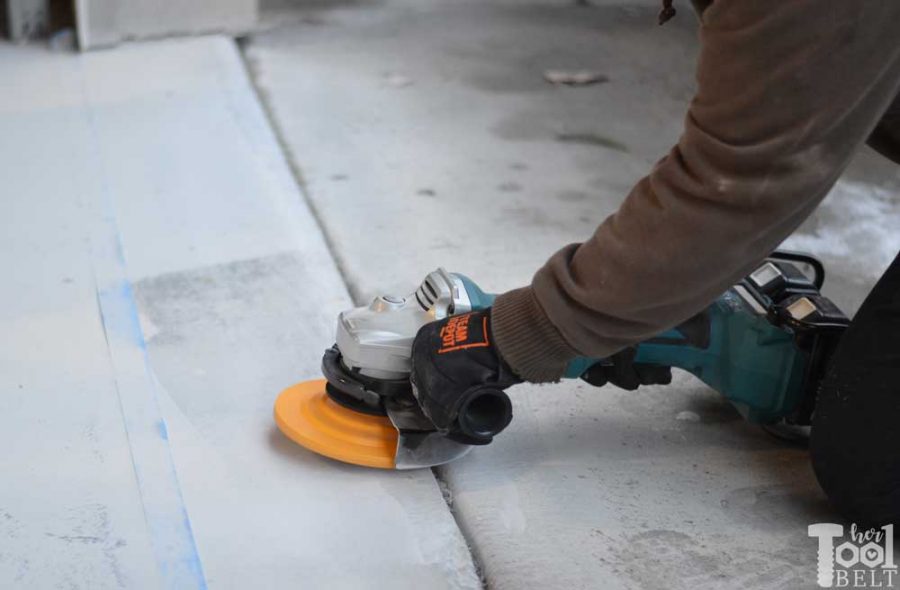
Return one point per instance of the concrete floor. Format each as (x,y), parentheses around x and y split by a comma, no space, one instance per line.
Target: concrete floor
(425,135)
(165,281)
(185,222)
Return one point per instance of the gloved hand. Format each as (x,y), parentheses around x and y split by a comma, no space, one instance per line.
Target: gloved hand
(458,378)
(621,370)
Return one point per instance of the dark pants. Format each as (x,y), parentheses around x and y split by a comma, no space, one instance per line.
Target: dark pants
(855,444)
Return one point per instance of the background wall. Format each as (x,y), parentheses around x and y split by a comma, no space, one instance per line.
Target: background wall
(108,22)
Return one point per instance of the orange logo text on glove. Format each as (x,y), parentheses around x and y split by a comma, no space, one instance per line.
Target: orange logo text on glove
(458,333)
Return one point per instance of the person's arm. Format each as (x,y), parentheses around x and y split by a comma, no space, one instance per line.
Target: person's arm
(786,92)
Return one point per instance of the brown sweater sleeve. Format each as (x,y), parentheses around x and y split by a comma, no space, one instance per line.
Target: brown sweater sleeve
(786,92)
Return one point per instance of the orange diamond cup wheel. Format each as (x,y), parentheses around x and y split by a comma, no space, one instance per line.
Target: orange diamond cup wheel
(307,416)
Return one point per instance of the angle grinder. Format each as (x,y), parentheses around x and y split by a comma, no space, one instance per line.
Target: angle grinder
(763,344)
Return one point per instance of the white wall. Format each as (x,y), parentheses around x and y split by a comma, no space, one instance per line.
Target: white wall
(102,23)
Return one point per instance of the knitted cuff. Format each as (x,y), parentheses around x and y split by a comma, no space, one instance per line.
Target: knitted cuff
(526,340)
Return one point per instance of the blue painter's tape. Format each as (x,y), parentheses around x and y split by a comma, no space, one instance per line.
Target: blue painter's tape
(126,325)
(167,518)
(165,513)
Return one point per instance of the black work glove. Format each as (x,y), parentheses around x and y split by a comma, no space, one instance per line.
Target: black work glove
(458,378)
(621,370)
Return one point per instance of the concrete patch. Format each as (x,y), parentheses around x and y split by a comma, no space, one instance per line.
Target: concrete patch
(230,337)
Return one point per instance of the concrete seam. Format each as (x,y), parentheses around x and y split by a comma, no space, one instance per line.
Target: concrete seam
(297,173)
(352,288)
(447,493)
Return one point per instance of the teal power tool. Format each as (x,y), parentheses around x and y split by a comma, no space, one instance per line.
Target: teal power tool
(764,345)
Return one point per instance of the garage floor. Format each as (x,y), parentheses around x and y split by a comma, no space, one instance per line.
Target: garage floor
(186,218)
(164,281)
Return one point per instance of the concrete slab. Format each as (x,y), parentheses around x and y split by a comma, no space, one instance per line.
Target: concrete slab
(427,136)
(70,509)
(168,281)
(429,130)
